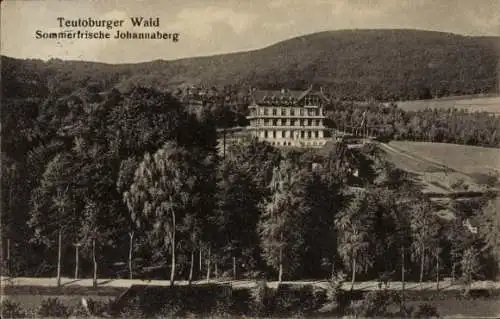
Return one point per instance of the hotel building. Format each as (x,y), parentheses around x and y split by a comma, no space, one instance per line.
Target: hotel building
(288,118)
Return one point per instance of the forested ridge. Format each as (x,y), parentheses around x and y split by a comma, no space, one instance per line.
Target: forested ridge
(457,126)
(137,181)
(384,65)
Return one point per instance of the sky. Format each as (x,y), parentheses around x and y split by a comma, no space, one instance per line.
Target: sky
(208,27)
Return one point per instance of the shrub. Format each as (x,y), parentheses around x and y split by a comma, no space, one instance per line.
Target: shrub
(335,296)
(293,299)
(52,307)
(94,308)
(459,185)
(132,309)
(261,299)
(425,310)
(376,304)
(223,302)
(11,309)
(176,301)
(79,311)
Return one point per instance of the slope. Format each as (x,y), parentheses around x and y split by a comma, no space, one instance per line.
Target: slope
(382,64)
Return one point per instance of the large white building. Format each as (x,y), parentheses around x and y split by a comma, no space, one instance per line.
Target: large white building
(288,118)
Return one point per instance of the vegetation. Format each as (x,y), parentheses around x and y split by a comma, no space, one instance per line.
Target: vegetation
(98,182)
(134,179)
(350,64)
(457,126)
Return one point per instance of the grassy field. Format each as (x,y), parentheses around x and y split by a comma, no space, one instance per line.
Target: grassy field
(472,103)
(463,158)
(439,167)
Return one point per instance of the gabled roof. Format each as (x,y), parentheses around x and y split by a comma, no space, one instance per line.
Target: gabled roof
(260,95)
(294,96)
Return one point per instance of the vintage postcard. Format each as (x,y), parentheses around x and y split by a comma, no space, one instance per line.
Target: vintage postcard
(234,158)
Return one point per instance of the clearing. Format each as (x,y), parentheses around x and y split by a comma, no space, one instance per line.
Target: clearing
(489,104)
(445,168)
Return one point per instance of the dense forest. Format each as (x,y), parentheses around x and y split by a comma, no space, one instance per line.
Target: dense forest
(137,183)
(385,65)
(457,126)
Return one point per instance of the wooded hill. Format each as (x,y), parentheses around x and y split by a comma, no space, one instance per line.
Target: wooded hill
(351,64)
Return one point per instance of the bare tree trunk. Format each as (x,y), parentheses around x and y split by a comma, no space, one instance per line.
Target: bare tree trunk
(59,252)
(422,260)
(216,264)
(130,255)
(224,141)
(94,261)
(402,277)
(8,257)
(234,268)
(280,273)
(453,269)
(190,279)
(437,270)
(353,276)
(172,269)
(77,247)
(333,269)
(201,254)
(208,263)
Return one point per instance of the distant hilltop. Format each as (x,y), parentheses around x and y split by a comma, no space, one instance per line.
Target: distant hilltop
(350,64)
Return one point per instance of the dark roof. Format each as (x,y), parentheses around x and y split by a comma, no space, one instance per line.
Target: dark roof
(259,96)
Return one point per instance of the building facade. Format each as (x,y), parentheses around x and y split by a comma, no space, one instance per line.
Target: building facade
(289,118)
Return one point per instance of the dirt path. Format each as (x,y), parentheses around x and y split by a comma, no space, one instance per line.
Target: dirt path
(125,283)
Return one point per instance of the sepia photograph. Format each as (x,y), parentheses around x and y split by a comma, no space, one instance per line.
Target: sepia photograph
(250,159)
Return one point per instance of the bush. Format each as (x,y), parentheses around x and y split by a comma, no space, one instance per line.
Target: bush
(459,185)
(52,307)
(94,308)
(261,300)
(132,309)
(175,301)
(337,298)
(79,311)
(376,304)
(425,310)
(11,309)
(293,299)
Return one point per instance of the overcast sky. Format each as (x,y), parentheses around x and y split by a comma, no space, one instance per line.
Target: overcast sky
(220,26)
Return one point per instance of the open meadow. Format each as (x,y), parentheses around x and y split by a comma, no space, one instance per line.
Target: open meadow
(445,167)
(489,104)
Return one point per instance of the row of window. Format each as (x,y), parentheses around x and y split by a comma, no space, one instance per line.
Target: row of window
(286,111)
(290,144)
(301,134)
(287,122)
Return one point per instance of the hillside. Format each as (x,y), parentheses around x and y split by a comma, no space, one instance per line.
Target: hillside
(382,64)
(443,168)
(489,104)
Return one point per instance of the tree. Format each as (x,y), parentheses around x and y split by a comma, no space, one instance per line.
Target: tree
(162,194)
(53,210)
(489,230)
(425,232)
(237,215)
(280,227)
(355,226)
(125,179)
(470,266)
(393,231)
